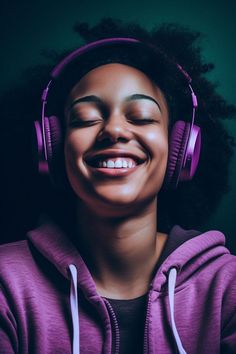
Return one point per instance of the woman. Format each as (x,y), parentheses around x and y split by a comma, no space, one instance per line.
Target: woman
(119,278)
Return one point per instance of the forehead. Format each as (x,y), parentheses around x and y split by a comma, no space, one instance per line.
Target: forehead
(114,78)
(114,84)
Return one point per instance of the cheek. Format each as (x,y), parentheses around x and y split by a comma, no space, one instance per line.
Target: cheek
(77,142)
(74,145)
(157,141)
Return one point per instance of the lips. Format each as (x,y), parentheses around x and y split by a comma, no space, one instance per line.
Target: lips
(114,163)
(114,159)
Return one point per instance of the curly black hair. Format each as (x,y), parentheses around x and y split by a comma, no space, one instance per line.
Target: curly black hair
(193,202)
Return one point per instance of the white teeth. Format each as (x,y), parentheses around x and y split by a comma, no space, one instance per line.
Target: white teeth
(118,163)
(110,164)
(125,163)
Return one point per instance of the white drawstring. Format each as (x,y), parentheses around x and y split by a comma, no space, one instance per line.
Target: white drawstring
(74,309)
(171,290)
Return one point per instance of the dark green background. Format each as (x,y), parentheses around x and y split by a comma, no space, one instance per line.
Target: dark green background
(28,27)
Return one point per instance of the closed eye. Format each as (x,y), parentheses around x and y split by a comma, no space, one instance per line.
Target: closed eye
(81,123)
(141,121)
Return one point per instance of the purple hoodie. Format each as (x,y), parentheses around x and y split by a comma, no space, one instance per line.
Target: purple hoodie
(191,301)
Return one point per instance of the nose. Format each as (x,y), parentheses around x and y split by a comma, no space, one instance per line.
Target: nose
(115,128)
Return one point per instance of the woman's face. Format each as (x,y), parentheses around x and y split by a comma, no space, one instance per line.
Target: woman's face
(116,143)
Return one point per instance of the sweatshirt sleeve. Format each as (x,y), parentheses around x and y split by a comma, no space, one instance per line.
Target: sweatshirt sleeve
(8,332)
(228,333)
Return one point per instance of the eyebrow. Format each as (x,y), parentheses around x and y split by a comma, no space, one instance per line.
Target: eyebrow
(139,96)
(91,98)
(96,99)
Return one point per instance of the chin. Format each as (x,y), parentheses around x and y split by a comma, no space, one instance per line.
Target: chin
(119,204)
(117,194)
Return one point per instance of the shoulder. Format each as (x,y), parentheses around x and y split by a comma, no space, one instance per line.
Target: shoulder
(17,248)
(14,256)
(228,268)
(222,260)
(226,289)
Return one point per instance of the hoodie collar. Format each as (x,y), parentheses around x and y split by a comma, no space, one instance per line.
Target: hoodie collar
(51,241)
(55,245)
(190,256)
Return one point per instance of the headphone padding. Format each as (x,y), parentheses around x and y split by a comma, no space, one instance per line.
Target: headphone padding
(54,140)
(177,148)
(48,142)
(55,135)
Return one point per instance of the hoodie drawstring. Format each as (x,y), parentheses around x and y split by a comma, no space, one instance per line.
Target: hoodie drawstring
(171,291)
(74,309)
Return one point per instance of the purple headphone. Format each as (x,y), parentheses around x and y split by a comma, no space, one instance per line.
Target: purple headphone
(184,141)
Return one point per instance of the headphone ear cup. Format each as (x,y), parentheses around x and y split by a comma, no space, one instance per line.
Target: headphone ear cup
(54,148)
(38,154)
(177,147)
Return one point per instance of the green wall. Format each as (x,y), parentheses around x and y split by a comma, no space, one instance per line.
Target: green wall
(29,27)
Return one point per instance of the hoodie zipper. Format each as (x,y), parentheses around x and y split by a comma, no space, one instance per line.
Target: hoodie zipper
(145,345)
(116,326)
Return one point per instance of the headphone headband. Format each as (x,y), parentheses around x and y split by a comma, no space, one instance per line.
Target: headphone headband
(100,43)
(87,47)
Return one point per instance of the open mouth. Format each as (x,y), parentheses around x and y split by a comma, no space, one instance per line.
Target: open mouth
(114,162)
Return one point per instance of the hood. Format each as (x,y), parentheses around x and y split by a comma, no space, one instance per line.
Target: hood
(194,251)
(51,241)
(190,256)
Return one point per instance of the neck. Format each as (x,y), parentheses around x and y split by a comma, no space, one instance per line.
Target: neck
(121,252)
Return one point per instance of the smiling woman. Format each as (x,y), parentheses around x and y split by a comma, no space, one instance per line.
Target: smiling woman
(120,276)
